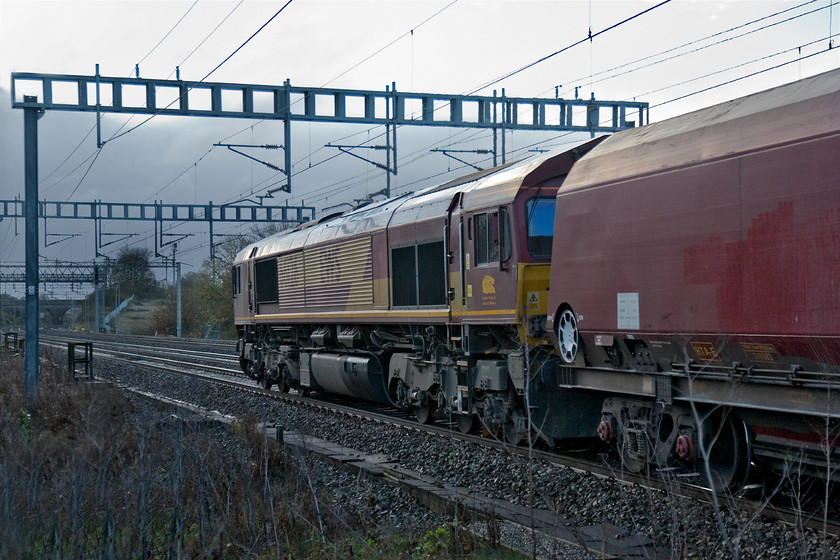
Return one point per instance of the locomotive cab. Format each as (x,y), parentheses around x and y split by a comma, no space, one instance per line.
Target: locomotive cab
(478,368)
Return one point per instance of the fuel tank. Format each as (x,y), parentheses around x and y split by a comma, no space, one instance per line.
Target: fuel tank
(353,376)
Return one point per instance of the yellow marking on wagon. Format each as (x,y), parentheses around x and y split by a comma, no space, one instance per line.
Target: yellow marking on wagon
(706,351)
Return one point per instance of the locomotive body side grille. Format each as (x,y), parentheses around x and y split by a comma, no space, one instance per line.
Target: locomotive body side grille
(339,276)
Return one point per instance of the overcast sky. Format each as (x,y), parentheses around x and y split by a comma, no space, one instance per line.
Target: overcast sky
(679,57)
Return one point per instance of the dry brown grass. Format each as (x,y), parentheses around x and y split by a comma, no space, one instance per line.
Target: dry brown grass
(84,472)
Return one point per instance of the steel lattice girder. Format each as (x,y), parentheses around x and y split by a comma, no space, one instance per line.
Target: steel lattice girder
(286,102)
(160,212)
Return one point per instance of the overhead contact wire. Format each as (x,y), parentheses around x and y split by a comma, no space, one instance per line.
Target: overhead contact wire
(230,13)
(704,47)
(357,65)
(79,145)
(138,63)
(744,77)
(168,33)
(177,99)
(96,156)
(589,37)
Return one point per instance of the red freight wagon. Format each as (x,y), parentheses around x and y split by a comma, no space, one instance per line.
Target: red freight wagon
(697,260)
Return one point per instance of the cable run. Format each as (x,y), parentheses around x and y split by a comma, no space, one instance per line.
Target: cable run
(99,151)
(736,66)
(230,13)
(178,99)
(79,145)
(703,47)
(84,161)
(407,33)
(181,174)
(263,26)
(168,33)
(564,49)
(738,79)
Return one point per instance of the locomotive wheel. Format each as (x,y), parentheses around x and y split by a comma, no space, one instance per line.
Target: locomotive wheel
(468,423)
(263,378)
(567,335)
(729,452)
(515,428)
(282,383)
(266,381)
(425,414)
(253,370)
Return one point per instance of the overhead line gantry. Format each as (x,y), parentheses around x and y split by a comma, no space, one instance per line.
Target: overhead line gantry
(392,108)
(210,213)
(36,93)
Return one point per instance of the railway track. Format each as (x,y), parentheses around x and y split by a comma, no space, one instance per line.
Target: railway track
(213,361)
(193,359)
(219,346)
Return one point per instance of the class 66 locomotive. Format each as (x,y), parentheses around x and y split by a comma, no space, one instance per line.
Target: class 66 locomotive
(671,290)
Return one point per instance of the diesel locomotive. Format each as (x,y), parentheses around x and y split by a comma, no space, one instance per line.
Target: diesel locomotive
(673,290)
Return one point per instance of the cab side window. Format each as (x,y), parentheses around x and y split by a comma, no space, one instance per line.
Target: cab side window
(540,220)
(486,237)
(237,287)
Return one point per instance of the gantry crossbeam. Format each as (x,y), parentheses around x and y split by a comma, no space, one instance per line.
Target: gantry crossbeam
(287,102)
(161,212)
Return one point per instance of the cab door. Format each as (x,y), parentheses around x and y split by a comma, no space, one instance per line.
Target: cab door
(490,280)
(454,237)
(251,294)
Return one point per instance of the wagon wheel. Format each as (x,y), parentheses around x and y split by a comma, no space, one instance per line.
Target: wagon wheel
(728,450)
(468,423)
(567,335)
(425,413)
